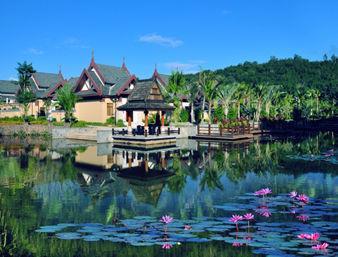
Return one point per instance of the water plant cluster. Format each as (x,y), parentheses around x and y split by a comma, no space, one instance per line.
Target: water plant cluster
(302,232)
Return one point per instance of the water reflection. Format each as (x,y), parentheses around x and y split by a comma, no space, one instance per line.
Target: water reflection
(43,185)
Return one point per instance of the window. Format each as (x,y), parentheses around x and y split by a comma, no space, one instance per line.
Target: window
(110,109)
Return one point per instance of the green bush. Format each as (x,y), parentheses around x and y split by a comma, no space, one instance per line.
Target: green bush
(120,123)
(12,120)
(110,121)
(184,116)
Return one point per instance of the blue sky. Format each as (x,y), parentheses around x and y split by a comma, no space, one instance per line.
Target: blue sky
(188,35)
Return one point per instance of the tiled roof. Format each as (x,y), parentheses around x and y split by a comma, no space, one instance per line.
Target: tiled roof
(139,98)
(72,80)
(9,87)
(112,74)
(45,80)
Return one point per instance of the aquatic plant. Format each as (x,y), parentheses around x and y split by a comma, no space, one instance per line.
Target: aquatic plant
(166,219)
(303,217)
(167,246)
(263,192)
(303,198)
(320,247)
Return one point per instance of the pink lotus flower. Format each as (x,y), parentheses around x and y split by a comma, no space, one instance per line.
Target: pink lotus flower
(187,227)
(303,236)
(303,198)
(293,194)
(313,236)
(167,246)
(236,218)
(320,247)
(303,218)
(167,219)
(248,216)
(263,192)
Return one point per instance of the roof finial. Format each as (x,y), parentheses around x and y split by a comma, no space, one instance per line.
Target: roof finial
(123,62)
(60,69)
(93,54)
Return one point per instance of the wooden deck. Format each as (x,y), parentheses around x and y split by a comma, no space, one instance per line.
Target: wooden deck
(213,132)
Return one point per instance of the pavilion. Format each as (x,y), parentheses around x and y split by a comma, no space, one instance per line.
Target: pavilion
(146,97)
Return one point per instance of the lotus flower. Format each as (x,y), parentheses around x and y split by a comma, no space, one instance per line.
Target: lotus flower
(303,218)
(263,192)
(293,194)
(248,216)
(187,227)
(167,246)
(303,198)
(236,218)
(313,236)
(320,247)
(167,219)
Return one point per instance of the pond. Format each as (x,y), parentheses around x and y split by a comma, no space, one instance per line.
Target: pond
(82,199)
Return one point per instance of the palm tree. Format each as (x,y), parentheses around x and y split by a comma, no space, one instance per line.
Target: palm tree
(67,99)
(175,89)
(209,89)
(260,91)
(239,97)
(225,95)
(25,71)
(313,95)
(272,95)
(192,92)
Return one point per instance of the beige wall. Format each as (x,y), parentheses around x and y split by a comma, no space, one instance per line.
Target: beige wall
(96,110)
(10,110)
(34,107)
(90,157)
(57,115)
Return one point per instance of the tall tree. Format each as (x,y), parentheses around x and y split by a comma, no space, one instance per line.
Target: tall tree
(225,95)
(25,96)
(25,71)
(174,91)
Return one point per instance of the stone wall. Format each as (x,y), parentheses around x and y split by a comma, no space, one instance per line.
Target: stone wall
(8,130)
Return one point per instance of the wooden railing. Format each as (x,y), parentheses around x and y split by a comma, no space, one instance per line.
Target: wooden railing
(225,129)
(146,132)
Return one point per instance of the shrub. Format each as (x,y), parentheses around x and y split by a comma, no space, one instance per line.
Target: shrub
(110,121)
(120,123)
(58,124)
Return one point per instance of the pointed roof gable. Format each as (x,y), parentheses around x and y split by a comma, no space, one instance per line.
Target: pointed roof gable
(45,80)
(163,79)
(146,95)
(108,80)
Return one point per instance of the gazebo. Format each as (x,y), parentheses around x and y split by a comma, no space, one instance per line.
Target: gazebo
(146,97)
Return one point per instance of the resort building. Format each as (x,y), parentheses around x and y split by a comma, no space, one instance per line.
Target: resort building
(101,89)
(44,85)
(8,106)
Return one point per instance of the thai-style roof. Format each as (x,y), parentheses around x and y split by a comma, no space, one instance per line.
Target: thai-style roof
(9,87)
(44,84)
(146,95)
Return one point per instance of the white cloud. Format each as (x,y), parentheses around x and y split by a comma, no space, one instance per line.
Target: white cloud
(34,51)
(161,40)
(73,42)
(192,66)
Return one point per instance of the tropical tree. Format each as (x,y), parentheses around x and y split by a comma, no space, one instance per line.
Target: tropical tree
(209,88)
(192,92)
(312,99)
(272,95)
(24,95)
(260,92)
(66,99)
(225,96)
(25,71)
(175,89)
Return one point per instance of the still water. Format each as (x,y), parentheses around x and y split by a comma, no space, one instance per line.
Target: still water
(79,199)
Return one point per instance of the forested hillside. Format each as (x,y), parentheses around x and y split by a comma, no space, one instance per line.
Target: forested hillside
(291,74)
